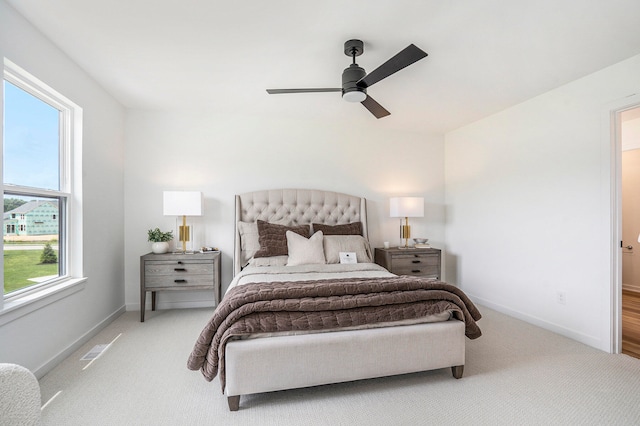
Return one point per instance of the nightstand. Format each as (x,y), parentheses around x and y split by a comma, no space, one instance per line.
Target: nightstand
(178,272)
(421,262)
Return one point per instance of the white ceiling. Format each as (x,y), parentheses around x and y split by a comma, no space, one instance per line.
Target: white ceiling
(484,55)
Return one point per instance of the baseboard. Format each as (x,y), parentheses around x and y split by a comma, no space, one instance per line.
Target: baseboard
(631,287)
(572,334)
(61,356)
(174,305)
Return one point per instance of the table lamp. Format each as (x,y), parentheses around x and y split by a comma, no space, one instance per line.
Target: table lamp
(183,203)
(406,207)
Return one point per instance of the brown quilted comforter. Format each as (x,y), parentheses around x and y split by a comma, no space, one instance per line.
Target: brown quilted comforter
(321,305)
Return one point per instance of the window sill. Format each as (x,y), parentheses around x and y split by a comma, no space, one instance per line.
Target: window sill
(16,308)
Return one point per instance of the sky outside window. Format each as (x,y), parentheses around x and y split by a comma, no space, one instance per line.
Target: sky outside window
(31,140)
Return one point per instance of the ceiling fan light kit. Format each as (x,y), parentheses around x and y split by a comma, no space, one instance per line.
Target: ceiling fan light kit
(355,80)
(354,96)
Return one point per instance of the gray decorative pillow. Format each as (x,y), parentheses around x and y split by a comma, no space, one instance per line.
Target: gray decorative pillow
(353,228)
(273,238)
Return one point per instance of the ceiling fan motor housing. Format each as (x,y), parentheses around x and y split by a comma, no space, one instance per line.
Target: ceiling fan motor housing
(351,92)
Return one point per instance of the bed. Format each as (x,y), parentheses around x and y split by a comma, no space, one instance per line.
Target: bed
(284,348)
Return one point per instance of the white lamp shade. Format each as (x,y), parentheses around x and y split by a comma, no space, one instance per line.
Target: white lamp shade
(182,203)
(406,207)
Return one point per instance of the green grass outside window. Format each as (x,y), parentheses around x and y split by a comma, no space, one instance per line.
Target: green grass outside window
(20,265)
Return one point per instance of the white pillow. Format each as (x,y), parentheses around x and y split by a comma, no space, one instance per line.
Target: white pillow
(334,244)
(305,251)
(249,244)
(269,261)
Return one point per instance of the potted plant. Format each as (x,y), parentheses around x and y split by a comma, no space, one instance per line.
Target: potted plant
(160,240)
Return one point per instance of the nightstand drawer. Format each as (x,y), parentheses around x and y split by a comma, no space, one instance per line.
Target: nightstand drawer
(409,261)
(162,268)
(419,271)
(179,280)
(182,273)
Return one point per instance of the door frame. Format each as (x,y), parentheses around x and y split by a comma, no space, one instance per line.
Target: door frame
(614,131)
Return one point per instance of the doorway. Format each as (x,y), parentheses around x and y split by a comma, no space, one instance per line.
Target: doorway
(630,218)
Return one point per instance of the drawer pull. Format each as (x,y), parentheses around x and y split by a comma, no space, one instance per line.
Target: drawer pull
(415,261)
(415,271)
(179,262)
(179,281)
(179,269)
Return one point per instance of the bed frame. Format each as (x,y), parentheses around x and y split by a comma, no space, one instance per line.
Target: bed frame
(288,362)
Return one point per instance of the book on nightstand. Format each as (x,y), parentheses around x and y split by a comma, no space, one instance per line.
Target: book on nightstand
(417,245)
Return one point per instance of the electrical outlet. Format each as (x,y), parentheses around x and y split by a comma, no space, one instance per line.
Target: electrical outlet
(561,297)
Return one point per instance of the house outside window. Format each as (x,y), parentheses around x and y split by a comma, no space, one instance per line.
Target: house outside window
(40,127)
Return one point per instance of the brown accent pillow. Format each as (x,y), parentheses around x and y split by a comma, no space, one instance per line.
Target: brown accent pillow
(273,238)
(353,228)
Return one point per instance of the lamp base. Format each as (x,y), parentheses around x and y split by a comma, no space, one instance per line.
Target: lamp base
(184,243)
(405,233)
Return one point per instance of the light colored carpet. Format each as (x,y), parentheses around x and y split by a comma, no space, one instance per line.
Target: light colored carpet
(515,373)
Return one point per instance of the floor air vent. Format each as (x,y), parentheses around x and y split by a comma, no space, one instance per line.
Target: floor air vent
(95,352)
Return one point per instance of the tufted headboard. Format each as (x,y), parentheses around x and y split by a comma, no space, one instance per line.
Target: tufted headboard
(301,207)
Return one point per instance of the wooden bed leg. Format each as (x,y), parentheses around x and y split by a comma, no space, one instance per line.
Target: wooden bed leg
(457,371)
(234,402)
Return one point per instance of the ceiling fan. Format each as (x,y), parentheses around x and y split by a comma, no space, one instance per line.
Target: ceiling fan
(355,80)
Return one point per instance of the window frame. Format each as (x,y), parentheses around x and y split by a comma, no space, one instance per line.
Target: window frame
(69,194)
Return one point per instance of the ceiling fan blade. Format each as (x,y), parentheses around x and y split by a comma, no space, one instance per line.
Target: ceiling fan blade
(403,59)
(282,91)
(374,107)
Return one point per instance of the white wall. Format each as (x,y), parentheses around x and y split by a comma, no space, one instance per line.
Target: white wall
(227,155)
(41,339)
(528,195)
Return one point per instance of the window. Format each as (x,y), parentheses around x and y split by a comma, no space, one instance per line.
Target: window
(39,131)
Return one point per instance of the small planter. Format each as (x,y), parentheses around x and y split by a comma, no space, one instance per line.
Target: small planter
(160,247)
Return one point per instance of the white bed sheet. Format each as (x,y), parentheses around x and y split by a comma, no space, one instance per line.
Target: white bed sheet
(256,274)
